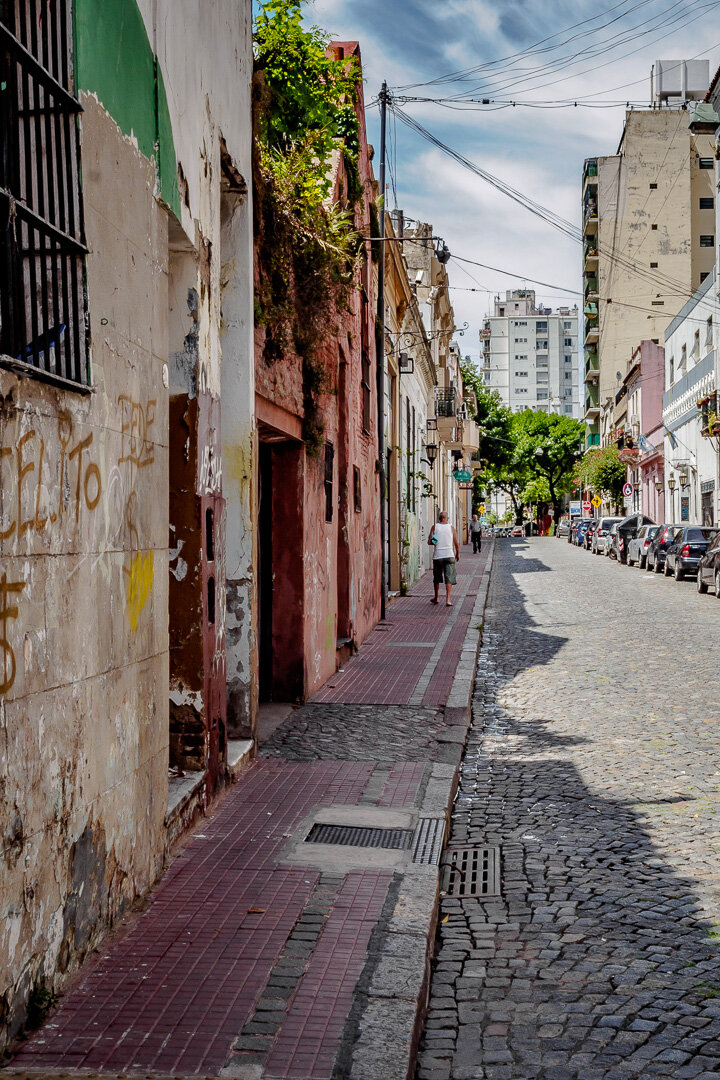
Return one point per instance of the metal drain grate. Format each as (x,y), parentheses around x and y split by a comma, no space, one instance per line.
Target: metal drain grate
(353,836)
(471,871)
(428,840)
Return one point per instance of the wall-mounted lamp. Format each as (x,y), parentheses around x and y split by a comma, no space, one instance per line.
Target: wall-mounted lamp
(672,483)
(684,481)
(431,452)
(432,423)
(406,364)
(658,486)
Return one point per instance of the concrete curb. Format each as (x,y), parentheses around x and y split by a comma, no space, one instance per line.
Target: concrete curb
(392,1022)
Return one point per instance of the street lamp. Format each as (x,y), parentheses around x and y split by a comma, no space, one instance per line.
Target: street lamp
(684,482)
(658,486)
(672,483)
(431,451)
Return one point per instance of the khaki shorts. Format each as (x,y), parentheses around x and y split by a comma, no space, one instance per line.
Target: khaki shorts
(444,570)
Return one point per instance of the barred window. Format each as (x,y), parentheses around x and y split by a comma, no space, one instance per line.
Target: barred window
(43,322)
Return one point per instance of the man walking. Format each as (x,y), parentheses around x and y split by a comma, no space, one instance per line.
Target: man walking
(447,551)
(476,534)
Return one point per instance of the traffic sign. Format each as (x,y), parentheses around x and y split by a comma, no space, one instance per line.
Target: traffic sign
(597,501)
(627,490)
(481,508)
(586,507)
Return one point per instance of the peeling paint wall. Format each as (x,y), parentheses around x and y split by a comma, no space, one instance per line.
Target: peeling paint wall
(325,586)
(90,549)
(83,757)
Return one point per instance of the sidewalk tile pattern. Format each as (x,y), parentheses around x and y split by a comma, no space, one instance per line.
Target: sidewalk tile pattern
(382,673)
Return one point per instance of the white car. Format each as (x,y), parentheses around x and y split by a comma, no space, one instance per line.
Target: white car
(599,544)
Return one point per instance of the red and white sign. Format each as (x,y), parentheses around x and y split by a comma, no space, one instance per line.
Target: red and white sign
(587,507)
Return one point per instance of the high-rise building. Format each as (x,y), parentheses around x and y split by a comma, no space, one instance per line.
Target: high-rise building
(530,355)
(649,232)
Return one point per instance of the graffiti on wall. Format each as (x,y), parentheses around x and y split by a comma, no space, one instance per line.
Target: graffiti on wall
(51,480)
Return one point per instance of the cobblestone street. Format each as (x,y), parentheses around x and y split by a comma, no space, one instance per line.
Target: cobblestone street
(593,762)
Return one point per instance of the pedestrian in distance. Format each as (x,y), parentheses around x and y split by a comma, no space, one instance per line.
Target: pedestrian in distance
(476,534)
(447,552)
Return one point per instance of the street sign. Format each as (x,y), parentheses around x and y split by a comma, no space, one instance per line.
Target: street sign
(597,501)
(462,475)
(586,507)
(575,508)
(627,490)
(481,508)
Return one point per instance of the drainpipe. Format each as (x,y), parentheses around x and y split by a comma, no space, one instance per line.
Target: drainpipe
(380,349)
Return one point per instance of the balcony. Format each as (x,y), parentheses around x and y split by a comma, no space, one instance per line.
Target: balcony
(592,331)
(590,172)
(591,287)
(592,366)
(591,256)
(467,437)
(590,218)
(446,402)
(592,402)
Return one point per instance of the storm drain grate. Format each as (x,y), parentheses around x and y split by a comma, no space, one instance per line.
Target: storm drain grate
(353,836)
(471,871)
(428,840)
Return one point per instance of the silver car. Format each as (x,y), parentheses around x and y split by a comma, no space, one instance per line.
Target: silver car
(638,546)
(599,540)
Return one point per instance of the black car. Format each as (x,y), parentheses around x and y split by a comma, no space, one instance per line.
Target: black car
(626,530)
(658,549)
(688,546)
(709,568)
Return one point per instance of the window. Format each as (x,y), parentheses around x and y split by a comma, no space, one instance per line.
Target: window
(695,351)
(502,310)
(357,490)
(707,202)
(329,461)
(705,163)
(567,392)
(568,343)
(568,375)
(521,374)
(568,359)
(654,228)
(703,275)
(542,395)
(653,266)
(42,242)
(541,326)
(658,303)
(521,389)
(653,187)
(683,359)
(672,370)
(709,333)
(541,346)
(567,326)
(568,409)
(707,241)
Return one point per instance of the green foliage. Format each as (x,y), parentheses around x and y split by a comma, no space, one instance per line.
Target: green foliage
(307,245)
(548,445)
(603,472)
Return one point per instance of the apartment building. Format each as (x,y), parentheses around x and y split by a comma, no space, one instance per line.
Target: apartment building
(530,355)
(649,232)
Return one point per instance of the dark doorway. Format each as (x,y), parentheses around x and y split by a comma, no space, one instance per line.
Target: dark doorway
(265,570)
(281,578)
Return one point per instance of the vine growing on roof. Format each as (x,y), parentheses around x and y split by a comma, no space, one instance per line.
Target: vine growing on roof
(307,243)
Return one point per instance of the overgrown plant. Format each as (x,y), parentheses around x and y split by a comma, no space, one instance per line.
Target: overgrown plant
(308,244)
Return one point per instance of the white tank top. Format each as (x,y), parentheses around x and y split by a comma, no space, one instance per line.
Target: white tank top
(444,549)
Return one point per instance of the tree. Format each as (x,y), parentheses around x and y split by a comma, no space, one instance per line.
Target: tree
(603,472)
(548,445)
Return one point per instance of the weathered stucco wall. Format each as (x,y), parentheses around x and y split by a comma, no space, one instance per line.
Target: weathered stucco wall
(83,761)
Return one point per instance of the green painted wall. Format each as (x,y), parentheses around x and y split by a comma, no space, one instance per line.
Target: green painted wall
(114,59)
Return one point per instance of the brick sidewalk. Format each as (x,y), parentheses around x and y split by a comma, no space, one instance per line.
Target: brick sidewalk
(411,657)
(253,961)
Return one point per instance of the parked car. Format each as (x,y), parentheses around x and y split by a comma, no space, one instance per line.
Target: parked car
(563,528)
(598,539)
(579,531)
(608,541)
(655,559)
(687,548)
(518,530)
(638,546)
(626,530)
(589,533)
(709,568)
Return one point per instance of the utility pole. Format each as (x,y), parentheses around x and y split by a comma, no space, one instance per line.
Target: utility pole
(380,351)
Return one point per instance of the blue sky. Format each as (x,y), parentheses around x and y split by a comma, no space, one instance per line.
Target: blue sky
(539,151)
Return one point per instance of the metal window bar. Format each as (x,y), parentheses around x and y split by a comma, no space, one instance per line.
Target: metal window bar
(329,464)
(445,402)
(43,308)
